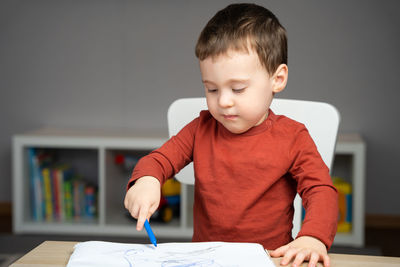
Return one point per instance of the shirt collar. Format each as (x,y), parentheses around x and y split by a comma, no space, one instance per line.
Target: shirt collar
(262,127)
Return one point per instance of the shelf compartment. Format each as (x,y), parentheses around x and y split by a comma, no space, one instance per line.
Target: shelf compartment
(72,172)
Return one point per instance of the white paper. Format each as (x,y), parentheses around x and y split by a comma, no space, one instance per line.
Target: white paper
(204,254)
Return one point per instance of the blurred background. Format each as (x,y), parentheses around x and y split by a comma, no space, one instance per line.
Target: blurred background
(119,65)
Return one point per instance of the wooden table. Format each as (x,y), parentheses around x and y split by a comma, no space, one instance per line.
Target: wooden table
(57,253)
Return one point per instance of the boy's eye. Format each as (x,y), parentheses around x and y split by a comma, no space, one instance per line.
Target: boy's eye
(239,90)
(212,90)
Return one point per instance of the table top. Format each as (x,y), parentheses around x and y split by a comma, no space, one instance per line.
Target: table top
(57,253)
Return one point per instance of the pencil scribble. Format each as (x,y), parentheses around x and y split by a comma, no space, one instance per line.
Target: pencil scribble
(194,258)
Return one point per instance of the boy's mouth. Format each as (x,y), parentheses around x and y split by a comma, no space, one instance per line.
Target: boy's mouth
(230,117)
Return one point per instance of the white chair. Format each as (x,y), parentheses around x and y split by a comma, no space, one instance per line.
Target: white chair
(321,120)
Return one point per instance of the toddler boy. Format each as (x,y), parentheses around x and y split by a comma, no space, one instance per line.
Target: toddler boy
(248,162)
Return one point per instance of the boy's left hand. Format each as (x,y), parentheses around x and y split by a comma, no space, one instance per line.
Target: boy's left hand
(303,248)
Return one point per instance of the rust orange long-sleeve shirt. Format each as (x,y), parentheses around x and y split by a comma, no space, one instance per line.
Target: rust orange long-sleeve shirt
(245,183)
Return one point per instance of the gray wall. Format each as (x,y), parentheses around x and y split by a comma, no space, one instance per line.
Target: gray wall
(107,64)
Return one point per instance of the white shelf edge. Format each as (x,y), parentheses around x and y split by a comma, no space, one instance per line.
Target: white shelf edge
(18,198)
(87,142)
(350,239)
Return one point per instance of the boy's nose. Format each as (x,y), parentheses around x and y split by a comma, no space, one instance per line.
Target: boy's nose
(225,100)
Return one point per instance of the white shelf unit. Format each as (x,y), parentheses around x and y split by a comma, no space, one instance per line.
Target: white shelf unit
(112,218)
(349,163)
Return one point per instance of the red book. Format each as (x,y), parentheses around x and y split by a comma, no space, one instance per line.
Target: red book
(56,194)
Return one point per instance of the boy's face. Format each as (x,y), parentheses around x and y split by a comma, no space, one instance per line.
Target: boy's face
(239,89)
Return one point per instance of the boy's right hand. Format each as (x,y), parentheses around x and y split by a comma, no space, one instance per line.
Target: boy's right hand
(142,199)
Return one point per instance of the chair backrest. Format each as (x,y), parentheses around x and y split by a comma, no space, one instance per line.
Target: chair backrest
(321,120)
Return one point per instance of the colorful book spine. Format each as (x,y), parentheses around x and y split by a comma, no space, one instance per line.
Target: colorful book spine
(90,202)
(48,200)
(61,174)
(36,186)
(78,196)
(56,195)
(81,192)
(69,213)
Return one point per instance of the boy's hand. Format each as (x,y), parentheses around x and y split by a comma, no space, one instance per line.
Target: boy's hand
(303,248)
(142,199)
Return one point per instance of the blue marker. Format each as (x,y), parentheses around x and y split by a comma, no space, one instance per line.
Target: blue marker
(150,233)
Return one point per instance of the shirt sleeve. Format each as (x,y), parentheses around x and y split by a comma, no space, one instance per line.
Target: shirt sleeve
(164,162)
(315,187)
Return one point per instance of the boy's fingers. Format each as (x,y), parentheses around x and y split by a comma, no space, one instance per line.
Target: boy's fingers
(326,260)
(134,211)
(140,223)
(313,259)
(152,209)
(279,251)
(141,218)
(290,253)
(299,258)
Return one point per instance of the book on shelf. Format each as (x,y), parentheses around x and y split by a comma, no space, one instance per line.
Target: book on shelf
(48,199)
(57,192)
(35,185)
(68,200)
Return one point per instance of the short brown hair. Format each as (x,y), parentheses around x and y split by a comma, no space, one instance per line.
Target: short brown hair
(243,26)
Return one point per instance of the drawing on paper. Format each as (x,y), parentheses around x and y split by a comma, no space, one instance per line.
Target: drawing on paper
(194,258)
(202,254)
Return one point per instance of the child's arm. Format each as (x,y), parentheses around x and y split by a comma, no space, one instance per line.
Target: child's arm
(319,198)
(303,248)
(142,199)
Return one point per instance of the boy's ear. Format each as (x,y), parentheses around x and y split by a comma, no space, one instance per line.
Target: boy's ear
(279,79)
